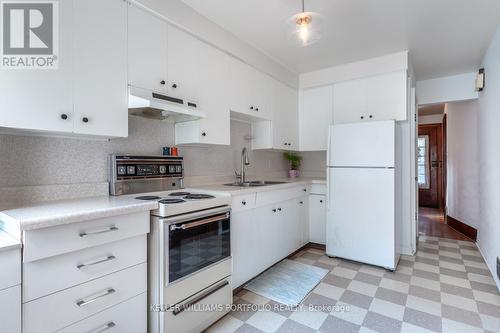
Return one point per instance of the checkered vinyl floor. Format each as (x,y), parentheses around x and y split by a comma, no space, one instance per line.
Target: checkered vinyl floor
(446,287)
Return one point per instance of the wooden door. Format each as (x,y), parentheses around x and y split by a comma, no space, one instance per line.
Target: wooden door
(430,165)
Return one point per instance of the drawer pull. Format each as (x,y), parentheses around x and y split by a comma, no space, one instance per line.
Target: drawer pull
(99,231)
(103,328)
(92,299)
(182,307)
(100,261)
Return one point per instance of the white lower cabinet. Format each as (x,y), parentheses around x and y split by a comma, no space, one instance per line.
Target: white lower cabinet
(56,311)
(245,247)
(261,236)
(317,218)
(126,317)
(89,276)
(10,309)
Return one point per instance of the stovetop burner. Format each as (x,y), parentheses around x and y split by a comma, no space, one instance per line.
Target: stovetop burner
(179,194)
(198,196)
(148,197)
(171,201)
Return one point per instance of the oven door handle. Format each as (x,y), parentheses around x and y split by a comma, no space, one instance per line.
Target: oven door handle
(208,220)
(184,306)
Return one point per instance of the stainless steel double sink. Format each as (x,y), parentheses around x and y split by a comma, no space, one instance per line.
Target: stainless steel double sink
(255,183)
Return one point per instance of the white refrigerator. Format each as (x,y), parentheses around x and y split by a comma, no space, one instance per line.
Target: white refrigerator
(361,193)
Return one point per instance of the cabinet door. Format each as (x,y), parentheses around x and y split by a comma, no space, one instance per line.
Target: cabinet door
(147,50)
(267,220)
(245,247)
(100,79)
(212,76)
(317,219)
(240,90)
(37,99)
(316,114)
(183,57)
(349,101)
(387,96)
(263,94)
(303,221)
(10,309)
(285,118)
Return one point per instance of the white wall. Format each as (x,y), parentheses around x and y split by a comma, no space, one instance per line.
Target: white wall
(355,70)
(462,157)
(489,158)
(447,89)
(183,16)
(430,119)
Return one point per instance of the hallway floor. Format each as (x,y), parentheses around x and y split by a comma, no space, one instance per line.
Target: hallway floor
(445,287)
(431,223)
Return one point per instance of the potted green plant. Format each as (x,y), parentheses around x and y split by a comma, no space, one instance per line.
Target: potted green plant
(294,161)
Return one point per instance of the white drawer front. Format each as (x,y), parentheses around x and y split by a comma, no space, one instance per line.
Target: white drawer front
(10,271)
(127,317)
(243,202)
(53,312)
(271,197)
(10,310)
(43,277)
(197,321)
(48,242)
(318,189)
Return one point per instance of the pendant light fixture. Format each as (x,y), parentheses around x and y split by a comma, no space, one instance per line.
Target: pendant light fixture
(304,27)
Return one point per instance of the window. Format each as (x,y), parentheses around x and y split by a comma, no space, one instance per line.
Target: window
(423,162)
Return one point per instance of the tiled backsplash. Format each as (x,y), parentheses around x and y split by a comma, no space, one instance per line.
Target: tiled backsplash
(35,168)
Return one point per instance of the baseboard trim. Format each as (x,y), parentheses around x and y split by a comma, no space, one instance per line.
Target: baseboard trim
(461,227)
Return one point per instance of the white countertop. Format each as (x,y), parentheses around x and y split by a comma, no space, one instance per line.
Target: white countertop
(43,215)
(7,242)
(49,214)
(288,182)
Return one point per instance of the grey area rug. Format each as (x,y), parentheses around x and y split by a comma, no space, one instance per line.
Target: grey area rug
(288,282)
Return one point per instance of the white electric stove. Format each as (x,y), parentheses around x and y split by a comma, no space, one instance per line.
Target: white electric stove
(189,250)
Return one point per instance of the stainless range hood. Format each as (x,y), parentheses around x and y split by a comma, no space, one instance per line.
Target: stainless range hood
(149,104)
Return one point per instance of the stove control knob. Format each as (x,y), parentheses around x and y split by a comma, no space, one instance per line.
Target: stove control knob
(163,169)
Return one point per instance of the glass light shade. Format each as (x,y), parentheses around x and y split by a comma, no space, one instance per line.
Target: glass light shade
(304,28)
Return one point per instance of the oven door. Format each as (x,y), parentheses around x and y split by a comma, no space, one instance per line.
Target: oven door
(197,241)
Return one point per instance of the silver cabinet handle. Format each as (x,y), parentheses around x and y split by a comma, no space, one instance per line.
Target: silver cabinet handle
(103,328)
(96,262)
(92,299)
(99,231)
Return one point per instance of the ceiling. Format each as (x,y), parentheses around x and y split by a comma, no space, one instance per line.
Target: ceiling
(444,37)
(431,109)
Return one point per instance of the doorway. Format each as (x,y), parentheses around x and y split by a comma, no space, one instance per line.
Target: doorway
(431,173)
(430,166)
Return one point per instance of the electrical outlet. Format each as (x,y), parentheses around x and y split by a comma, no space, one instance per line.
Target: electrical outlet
(498,267)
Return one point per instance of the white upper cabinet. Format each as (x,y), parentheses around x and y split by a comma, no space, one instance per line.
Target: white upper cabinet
(316,114)
(100,85)
(250,91)
(87,93)
(212,76)
(42,99)
(147,50)
(285,117)
(182,64)
(241,89)
(380,97)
